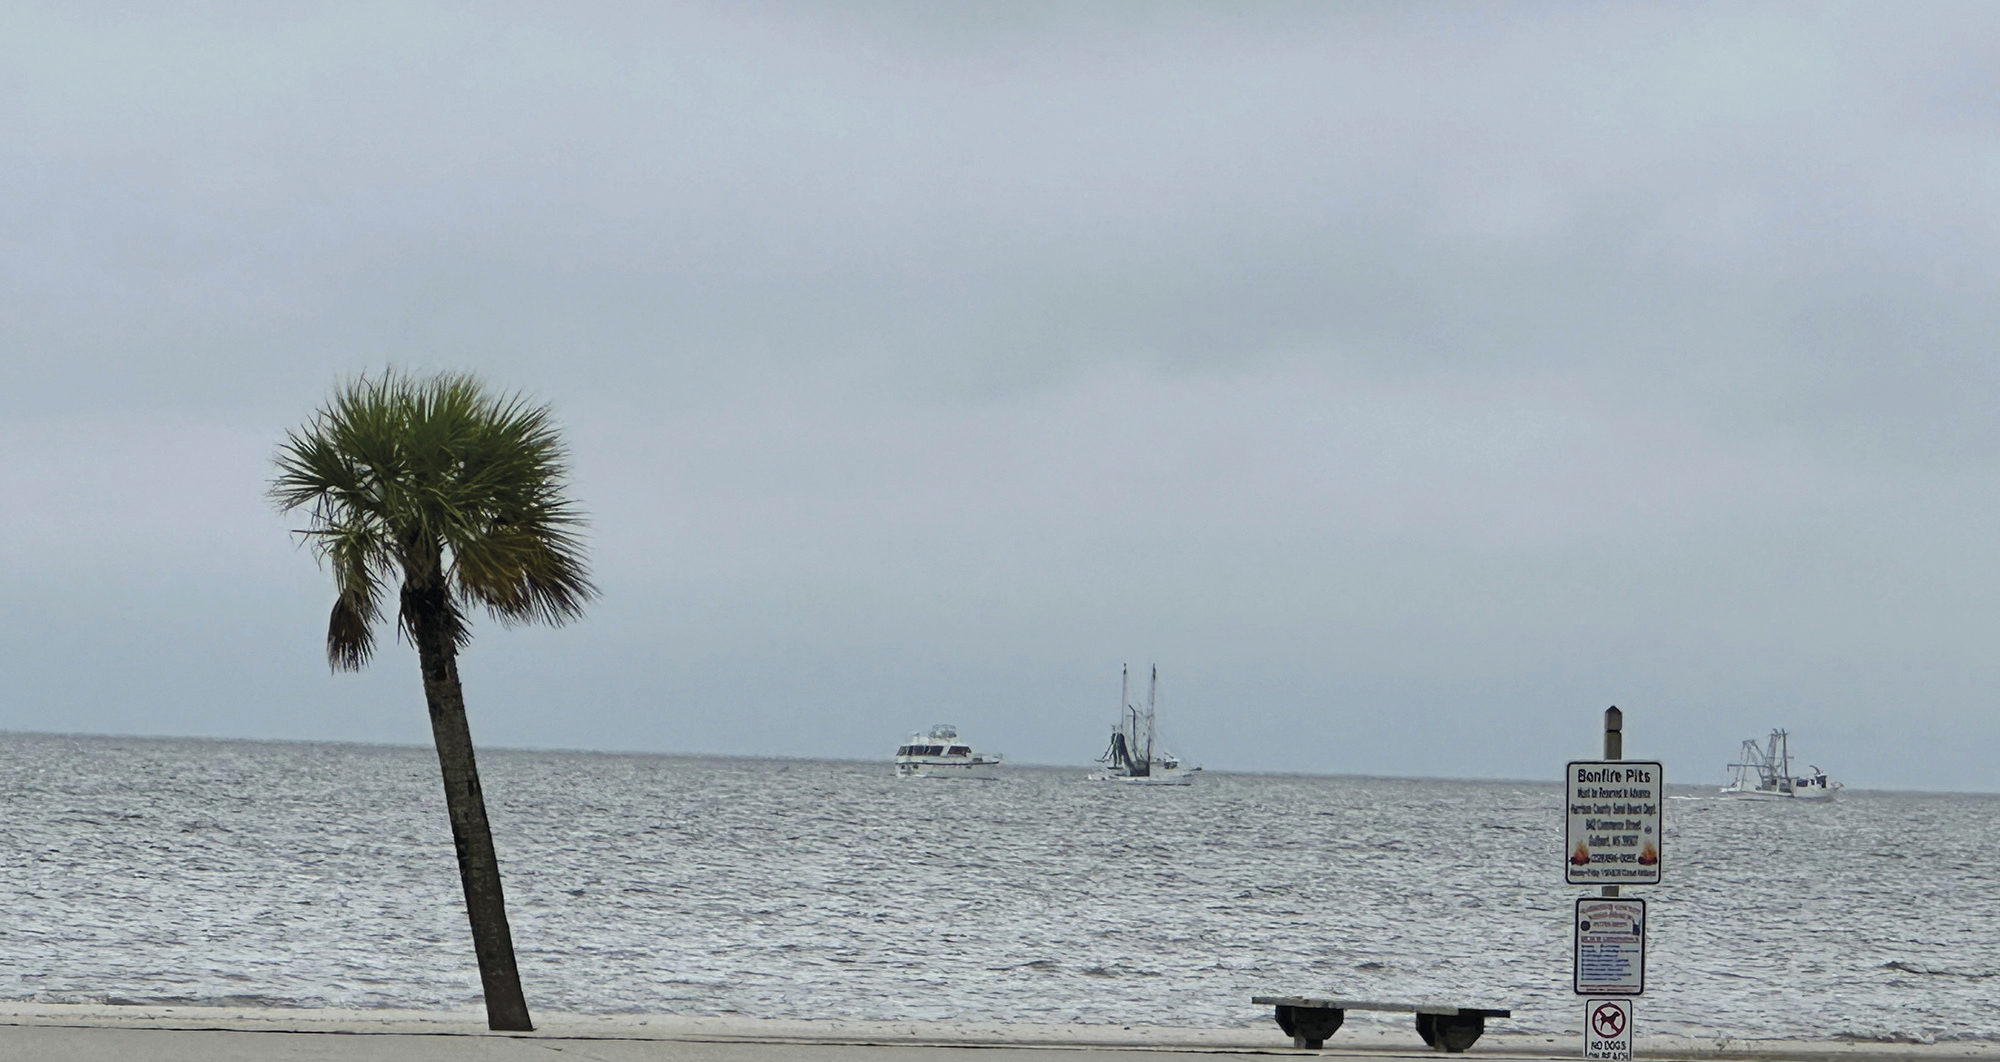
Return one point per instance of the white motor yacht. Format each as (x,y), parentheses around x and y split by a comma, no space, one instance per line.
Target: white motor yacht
(938,753)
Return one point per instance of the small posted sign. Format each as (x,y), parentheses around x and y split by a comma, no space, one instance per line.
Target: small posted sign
(1613,832)
(1607,1029)
(1610,953)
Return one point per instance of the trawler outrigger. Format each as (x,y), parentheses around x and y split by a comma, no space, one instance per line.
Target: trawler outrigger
(1133,756)
(1766,772)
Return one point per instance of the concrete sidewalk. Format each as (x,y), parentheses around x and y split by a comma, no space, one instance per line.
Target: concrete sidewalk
(60,1033)
(70,1044)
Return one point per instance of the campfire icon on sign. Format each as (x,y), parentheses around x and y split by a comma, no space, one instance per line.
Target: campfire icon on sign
(1580,857)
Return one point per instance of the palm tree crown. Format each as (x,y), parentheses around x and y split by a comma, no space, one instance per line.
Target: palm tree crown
(457,491)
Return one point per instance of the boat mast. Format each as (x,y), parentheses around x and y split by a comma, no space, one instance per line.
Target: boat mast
(1152,691)
(1125,709)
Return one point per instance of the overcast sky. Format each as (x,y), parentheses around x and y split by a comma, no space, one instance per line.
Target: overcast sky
(1409,381)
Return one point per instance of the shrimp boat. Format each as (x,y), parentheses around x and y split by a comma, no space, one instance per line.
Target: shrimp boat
(1135,756)
(937,753)
(1765,772)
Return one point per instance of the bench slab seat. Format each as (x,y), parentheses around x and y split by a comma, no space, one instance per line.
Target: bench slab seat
(1309,1020)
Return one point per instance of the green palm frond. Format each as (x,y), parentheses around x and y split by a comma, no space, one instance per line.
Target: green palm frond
(438,483)
(356,556)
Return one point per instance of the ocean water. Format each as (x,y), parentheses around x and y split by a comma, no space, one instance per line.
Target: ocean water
(248,873)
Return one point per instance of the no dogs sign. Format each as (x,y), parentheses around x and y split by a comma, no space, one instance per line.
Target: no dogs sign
(1607,1029)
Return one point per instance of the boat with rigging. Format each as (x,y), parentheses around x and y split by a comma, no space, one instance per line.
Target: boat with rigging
(1765,772)
(938,753)
(1136,756)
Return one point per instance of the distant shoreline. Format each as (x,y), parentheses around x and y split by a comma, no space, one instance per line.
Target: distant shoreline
(1553,783)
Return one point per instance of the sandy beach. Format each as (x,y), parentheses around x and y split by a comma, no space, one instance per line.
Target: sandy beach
(87,1033)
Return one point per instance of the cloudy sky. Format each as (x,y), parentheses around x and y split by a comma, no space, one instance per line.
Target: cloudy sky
(1409,381)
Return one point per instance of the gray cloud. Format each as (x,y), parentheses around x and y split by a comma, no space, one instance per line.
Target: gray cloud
(1387,371)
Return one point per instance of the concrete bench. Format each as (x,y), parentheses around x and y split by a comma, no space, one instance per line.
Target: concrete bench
(1309,1021)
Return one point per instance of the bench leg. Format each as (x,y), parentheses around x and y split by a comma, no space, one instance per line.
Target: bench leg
(1451,1032)
(1310,1026)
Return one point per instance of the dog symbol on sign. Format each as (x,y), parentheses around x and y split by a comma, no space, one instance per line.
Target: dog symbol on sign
(1608,1020)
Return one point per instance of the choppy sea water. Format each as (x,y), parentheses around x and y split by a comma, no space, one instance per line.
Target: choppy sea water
(248,873)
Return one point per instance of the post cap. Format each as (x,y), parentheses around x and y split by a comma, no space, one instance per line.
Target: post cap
(1614,720)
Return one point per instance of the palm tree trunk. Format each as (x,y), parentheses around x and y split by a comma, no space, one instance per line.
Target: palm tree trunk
(478,866)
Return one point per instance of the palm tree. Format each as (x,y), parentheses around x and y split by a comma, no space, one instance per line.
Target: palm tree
(458,493)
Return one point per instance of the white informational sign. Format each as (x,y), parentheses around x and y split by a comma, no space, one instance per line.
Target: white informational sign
(1610,953)
(1607,1029)
(1613,833)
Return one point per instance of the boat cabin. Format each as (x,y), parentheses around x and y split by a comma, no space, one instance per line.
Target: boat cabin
(934,750)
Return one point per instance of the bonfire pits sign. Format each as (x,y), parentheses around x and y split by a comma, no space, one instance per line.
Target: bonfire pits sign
(1613,836)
